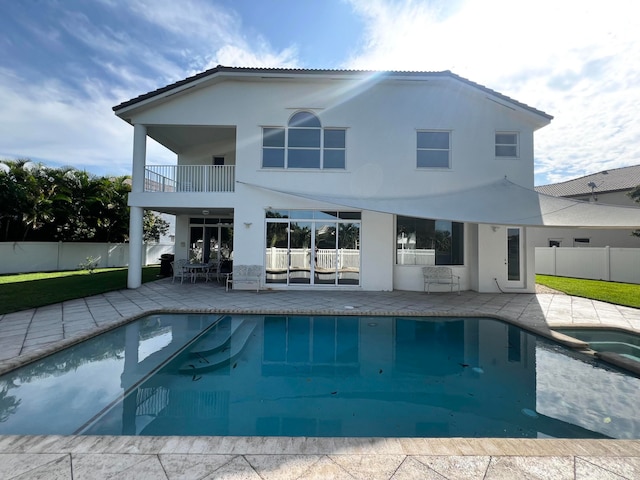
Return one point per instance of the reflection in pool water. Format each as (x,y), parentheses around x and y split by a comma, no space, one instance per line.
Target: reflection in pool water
(320,376)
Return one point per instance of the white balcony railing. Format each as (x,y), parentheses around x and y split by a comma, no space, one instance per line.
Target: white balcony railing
(189,178)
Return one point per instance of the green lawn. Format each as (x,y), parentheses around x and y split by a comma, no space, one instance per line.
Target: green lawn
(24,291)
(627,294)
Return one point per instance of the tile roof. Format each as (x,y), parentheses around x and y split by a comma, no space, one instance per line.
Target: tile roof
(220,69)
(612,180)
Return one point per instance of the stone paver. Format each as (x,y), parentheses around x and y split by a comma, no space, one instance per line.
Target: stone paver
(27,335)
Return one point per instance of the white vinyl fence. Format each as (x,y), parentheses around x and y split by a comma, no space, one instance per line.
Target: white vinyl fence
(24,257)
(282,258)
(606,263)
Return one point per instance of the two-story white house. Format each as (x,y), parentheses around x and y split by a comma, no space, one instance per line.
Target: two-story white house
(341,179)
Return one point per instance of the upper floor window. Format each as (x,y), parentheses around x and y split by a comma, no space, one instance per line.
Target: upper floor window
(303,144)
(507,144)
(434,149)
(273,147)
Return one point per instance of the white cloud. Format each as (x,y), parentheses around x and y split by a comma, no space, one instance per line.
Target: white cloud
(47,121)
(211,35)
(199,20)
(69,120)
(232,55)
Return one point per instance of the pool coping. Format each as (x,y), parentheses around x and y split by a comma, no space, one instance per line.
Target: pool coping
(233,445)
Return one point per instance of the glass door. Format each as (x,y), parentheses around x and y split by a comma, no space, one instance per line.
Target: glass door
(348,253)
(300,253)
(326,255)
(312,247)
(211,240)
(514,257)
(277,255)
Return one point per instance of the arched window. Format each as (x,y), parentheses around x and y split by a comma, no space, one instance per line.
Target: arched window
(303,144)
(304,120)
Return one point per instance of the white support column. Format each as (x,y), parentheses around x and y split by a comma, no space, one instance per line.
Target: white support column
(134,277)
(139,157)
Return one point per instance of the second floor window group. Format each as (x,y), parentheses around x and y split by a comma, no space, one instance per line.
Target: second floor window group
(303,144)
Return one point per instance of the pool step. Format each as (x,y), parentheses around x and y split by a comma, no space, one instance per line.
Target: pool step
(628,350)
(235,345)
(218,337)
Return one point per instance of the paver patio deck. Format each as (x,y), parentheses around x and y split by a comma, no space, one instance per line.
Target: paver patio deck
(29,334)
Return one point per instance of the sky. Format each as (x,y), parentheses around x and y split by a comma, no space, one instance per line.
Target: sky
(65,63)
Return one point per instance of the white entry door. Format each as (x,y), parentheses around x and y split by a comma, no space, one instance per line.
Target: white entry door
(514,260)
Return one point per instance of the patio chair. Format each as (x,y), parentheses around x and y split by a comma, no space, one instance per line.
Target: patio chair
(179,270)
(211,271)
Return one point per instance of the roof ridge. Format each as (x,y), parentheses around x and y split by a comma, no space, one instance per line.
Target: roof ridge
(222,69)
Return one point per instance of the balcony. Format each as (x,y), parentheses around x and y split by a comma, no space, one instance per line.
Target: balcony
(189,178)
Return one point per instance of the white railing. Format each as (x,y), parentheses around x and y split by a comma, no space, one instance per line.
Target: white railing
(189,178)
(411,256)
(300,258)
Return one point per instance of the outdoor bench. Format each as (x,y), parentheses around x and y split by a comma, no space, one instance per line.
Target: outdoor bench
(244,275)
(440,276)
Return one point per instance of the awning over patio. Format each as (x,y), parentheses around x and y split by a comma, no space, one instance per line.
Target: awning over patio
(502,202)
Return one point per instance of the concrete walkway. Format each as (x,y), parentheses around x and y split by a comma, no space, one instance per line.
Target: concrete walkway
(30,334)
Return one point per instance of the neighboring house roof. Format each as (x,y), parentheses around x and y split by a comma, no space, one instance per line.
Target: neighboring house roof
(221,70)
(614,180)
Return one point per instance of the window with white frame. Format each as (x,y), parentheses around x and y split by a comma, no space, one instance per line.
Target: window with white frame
(303,144)
(433,147)
(273,147)
(506,144)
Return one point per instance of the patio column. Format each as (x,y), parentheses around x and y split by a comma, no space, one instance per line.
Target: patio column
(134,275)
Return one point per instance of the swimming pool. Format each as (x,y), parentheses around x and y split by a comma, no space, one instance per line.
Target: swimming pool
(244,375)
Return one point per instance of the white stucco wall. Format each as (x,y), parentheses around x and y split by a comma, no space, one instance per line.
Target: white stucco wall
(381,120)
(492,261)
(597,237)
(381,135)
(378,234)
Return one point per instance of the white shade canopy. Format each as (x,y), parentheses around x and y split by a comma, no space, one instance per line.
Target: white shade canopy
(501,202)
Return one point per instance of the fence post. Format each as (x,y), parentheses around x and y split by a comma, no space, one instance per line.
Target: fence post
(145,253)
(607,263)
(555,263)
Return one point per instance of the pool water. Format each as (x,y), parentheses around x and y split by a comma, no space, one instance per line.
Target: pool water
(625,344)
(246,375)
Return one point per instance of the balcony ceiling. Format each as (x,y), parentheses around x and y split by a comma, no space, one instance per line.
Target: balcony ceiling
(195,212)
(180,138)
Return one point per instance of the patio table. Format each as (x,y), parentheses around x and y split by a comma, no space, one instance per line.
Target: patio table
(197,269)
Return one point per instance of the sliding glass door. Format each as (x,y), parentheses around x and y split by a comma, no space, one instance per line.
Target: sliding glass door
(300,267)
(308,247)
(211,240)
